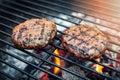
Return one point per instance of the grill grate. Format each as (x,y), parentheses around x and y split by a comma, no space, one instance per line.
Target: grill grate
(14,12)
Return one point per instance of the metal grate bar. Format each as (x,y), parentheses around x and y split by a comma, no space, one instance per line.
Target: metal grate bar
(95,5)
(114,59)
(37,10)
(7,75)
(62,33)
(40,64)
(51,43)
(30,65)
(16,22)
(38,16)
(87,8)
(45,61)
(57,24)
(114,36)
(7,34)
(5,11)
(84,67)
(43,69)
(67,8)
(22,5)
(6,26)
(17,69)
(40,12)
(66,60)
(104,32)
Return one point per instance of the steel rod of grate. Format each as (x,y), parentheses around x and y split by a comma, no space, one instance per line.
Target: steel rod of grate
(22,5)
(45,1)
(83,67)
(63,12)
(53,44)
(79,18)
(64,50)
(50,43)
(59,57)
(113,59)
(31,64)
(67,27)
(42,13)
(79,6)
(7,75)
(69,61)
(16,22)
(43,69)
(56,23)
(52,64)
(18,69)
(5,11)
(79,65)
(105,65)
(40,64)
(35,9)
(27,18)
(110,8)
(7,34)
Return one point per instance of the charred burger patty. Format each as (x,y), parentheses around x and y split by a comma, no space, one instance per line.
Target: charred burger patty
(34,33)
(84,41)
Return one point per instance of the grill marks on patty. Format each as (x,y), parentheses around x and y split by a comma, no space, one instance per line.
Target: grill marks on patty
(84,40)
(34,33)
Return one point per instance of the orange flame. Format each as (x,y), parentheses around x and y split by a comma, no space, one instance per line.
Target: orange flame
(56,70)
(44,77)
(99,68)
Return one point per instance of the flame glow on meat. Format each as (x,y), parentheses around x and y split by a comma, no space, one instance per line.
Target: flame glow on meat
(56,70)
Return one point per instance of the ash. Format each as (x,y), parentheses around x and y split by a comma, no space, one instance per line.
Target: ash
(68,76)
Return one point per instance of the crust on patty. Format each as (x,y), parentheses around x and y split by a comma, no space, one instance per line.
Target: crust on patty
(84,41)
(34,33)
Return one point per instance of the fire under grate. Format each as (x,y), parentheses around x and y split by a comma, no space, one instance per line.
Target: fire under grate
(19,64)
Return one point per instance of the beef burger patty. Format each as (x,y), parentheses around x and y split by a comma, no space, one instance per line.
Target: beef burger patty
(34,33)
(84,41)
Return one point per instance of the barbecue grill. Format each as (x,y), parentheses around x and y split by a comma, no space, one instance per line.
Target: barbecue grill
(20,64)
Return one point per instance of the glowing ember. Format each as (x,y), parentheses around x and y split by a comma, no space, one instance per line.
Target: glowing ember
(56,70)
(99,68)
(44,77)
